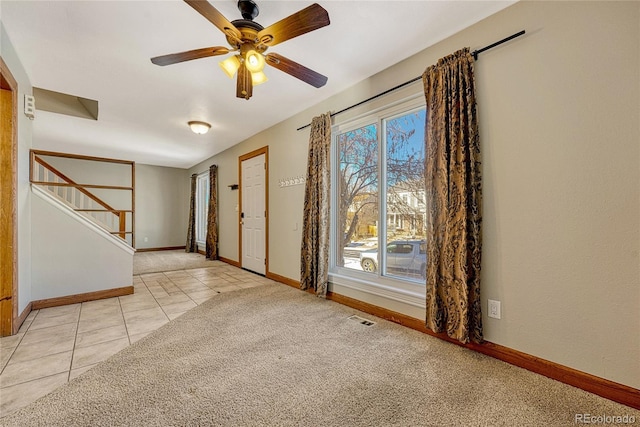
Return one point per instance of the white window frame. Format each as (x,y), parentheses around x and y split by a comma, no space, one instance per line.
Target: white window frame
(202,207)
(405,291)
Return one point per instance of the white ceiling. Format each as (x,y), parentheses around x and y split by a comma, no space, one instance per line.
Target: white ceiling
(101,50)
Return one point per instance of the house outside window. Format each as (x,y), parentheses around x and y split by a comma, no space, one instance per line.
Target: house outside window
(202,207)
(379,195)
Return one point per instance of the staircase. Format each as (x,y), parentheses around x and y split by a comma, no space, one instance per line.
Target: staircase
(82,228)
(87,199)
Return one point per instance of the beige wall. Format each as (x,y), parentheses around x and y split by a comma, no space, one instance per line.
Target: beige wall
(561,176)
(559,116)
(162,206)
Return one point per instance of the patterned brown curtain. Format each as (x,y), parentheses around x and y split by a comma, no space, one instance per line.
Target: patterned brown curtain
(314,265)
(454,198)
(192,246)
(212,216)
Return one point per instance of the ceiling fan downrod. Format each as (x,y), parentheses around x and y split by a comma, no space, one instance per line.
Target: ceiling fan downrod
(248,9)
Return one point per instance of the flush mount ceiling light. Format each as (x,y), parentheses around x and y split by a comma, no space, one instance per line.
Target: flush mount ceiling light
(199,127)
(249,40)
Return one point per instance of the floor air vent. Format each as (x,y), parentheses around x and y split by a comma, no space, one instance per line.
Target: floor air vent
(362,320)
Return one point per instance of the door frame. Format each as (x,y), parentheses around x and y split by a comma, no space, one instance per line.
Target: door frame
(8,223)
(250,155)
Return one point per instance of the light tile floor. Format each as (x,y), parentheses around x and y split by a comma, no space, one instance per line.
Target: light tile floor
(55,345)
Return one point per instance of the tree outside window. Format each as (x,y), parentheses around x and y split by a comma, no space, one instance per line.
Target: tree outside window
(386,155)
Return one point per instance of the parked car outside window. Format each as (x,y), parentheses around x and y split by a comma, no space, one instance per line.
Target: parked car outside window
(405,257)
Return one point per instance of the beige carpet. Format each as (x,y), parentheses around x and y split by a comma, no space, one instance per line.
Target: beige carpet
(276,356)
(157,261)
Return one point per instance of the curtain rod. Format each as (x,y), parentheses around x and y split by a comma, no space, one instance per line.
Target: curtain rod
(475,54)
(206,170)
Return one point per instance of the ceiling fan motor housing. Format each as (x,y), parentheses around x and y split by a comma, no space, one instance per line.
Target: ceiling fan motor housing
(249,37)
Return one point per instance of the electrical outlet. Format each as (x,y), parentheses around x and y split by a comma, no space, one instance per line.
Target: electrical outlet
(146,239)
(494,309)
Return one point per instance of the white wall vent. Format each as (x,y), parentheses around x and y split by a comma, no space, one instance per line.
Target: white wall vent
(362,320)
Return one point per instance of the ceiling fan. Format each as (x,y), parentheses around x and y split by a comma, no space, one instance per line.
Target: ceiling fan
(249,40)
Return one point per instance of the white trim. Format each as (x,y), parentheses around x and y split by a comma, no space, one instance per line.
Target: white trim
(202,207)
(44,195)
(392,293)
(390,288)
(360,118)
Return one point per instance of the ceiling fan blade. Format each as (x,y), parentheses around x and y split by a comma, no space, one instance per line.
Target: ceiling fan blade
(244,84)
(296,70)
(212,14)
(174,58)
(304,21)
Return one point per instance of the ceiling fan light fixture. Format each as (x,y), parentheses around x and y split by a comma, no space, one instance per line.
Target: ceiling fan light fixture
(258,78)
(254,61)
(249,40)
(230,65)
(199,127)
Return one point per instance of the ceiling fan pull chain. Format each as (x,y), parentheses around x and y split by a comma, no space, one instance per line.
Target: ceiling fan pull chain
(244,85)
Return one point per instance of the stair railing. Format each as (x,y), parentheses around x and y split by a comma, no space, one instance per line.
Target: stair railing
(78,197)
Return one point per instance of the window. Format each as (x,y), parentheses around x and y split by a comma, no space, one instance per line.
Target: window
(202,207)
(378,191)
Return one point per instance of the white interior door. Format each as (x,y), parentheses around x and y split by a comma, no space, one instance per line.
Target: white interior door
(253,214)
